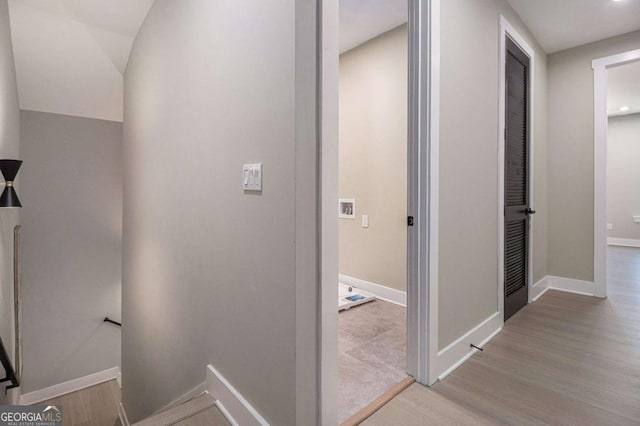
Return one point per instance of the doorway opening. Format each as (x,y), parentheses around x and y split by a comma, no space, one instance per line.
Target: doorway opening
(420,220)
(623,174)
(372,207)
(609,121)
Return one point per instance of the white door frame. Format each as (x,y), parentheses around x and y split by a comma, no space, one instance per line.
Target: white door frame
(423,196)
(423,131)
(508,30)
(600,120)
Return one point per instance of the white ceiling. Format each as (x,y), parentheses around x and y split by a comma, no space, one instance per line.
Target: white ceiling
(70,54)
(624,89)
(562,24)
(362,20)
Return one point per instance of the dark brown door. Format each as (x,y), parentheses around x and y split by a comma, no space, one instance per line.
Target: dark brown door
(516,210)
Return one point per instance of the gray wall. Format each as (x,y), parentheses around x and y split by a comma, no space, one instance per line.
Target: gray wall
(209,272)
(373,159)
(72,246)
(623,176)
(570,151)
(9,148)
(468,280)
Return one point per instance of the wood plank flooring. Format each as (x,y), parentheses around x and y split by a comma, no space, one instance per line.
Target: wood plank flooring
(98,406)
(93,406)
(198,411)
(566,359)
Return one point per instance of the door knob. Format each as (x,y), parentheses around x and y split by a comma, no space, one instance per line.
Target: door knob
(529,210)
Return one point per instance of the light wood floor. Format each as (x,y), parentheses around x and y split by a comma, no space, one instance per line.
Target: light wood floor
(563,360)
(98,406)
(93,406)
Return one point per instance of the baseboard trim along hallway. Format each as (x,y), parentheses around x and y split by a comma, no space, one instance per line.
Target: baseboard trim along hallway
(382,292)
(230,402)
(123,415)
(568,285)
(624,242)
(233,406)
(69,386)
(456,353)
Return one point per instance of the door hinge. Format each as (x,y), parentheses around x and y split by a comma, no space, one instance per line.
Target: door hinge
(410,221)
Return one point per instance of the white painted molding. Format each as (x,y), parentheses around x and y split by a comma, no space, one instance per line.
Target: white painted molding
(616,60)
(234,406)
(123,415)
(623,113)
(454,355)
(600,125)
(70,386)
(429,197)
(381,292)
(570,285)
(538,289)
(423,186)
(187,396)
(625,242)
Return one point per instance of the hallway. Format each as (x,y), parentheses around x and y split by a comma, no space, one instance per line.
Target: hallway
(565,359)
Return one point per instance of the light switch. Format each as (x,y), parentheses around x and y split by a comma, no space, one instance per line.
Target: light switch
(365,220)
(610,226)
(636,219)
(252,177)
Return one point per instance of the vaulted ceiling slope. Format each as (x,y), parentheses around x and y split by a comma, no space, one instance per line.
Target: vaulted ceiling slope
(71,54)
(362,20)
(563,24)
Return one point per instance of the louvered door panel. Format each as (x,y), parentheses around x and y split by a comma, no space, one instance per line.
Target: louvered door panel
(516,188)
(515,257)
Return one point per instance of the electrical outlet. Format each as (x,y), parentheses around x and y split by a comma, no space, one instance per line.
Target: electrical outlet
(610,226)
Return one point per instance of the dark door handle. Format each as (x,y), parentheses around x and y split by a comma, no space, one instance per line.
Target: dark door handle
(529,211)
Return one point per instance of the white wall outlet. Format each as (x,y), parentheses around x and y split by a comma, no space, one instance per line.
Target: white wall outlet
(610,226)
(252,177)
(365,220)
(636,219)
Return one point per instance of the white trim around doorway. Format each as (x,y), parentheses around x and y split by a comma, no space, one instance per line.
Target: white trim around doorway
(600,121)
(423,193)
(423,130)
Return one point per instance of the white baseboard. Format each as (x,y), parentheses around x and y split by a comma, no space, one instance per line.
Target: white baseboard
(625,242)
(381,292)
(454,355)
(68,387)
(538,289)
(123,415)
(570,285)
(234,406)
(189,395)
